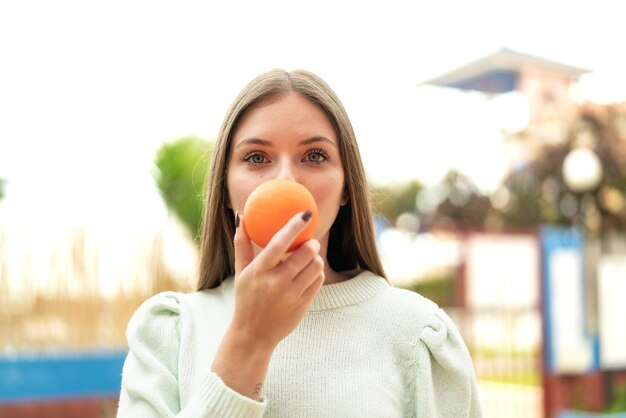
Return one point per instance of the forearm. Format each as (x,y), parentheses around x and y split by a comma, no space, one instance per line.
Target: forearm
(272,294)
(242,364)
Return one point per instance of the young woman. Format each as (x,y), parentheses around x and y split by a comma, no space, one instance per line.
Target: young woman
(317,332)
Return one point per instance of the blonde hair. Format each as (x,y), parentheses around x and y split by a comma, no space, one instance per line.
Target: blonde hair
(351,242)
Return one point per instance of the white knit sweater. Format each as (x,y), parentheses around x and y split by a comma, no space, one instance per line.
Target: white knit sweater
(363,349)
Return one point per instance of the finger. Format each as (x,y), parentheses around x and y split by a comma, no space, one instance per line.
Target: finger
(307,276)
(310,292)
(244,253)
(280,242)
(299,259)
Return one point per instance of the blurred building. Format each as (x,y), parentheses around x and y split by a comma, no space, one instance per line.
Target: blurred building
(544,129)
(532,97)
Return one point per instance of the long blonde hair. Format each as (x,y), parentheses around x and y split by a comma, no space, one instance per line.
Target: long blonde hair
(351,242)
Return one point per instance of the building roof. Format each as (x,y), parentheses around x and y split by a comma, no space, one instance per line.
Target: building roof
(498,72)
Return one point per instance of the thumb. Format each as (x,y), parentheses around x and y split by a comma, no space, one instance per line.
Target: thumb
(243,247)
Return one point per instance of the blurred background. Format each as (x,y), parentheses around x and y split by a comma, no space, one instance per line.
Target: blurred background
(493,133)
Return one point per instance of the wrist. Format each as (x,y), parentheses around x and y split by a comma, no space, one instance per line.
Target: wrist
(248,338)
(242,363)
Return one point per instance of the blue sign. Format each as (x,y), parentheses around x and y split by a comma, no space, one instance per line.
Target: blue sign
(46,376)
(569,346)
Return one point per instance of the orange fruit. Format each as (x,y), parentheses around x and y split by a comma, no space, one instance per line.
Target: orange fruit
(270,206)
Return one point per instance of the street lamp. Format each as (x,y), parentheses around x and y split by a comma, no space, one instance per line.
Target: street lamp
(582,173)
(582,170)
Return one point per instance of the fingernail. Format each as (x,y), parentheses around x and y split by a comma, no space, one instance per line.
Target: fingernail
(236,219)
(307,215)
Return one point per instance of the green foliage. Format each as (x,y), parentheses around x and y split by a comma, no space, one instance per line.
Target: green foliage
(462,206)
(539,193)
(2,183)
(181,172)
(392,200)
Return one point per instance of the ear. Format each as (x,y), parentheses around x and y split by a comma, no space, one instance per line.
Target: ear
(346,196)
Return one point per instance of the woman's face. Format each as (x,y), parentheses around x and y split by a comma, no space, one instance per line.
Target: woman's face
(288,137)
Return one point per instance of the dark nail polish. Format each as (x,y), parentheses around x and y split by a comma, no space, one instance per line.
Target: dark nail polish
(307,215)
(236,220)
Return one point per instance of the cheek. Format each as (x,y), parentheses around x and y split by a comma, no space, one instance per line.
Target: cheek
(238,192)
(328,196)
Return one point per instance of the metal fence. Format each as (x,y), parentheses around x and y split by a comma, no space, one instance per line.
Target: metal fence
(506,352)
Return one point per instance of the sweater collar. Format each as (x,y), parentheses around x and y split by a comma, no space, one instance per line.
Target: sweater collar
(349,292)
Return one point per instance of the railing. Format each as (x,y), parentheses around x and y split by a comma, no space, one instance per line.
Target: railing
(505,349)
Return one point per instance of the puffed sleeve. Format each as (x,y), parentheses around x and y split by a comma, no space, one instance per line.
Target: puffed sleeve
(150,374)
(446,382)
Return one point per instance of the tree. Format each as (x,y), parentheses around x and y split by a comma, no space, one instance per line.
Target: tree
(454,202)
(392,201)
(539,193)
(182,167)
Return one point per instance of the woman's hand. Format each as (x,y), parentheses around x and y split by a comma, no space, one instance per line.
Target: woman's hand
(272,292)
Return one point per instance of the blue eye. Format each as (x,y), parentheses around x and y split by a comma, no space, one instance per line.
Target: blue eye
(317,156)
(255,158)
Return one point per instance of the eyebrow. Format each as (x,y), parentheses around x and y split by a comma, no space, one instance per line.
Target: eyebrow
(265,142)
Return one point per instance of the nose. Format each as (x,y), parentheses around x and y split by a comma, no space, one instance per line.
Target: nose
(286,170)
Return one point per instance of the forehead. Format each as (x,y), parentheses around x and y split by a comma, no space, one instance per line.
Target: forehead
(290,113)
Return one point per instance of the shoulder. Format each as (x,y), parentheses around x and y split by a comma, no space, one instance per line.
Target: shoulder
(409,300)
(411,306)
(401,311)
(420,317)
(431,328)
(211,303)
(153,330)
(155,314)
(174,306)
(162,304)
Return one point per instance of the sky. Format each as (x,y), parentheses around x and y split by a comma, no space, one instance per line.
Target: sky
(90,89)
